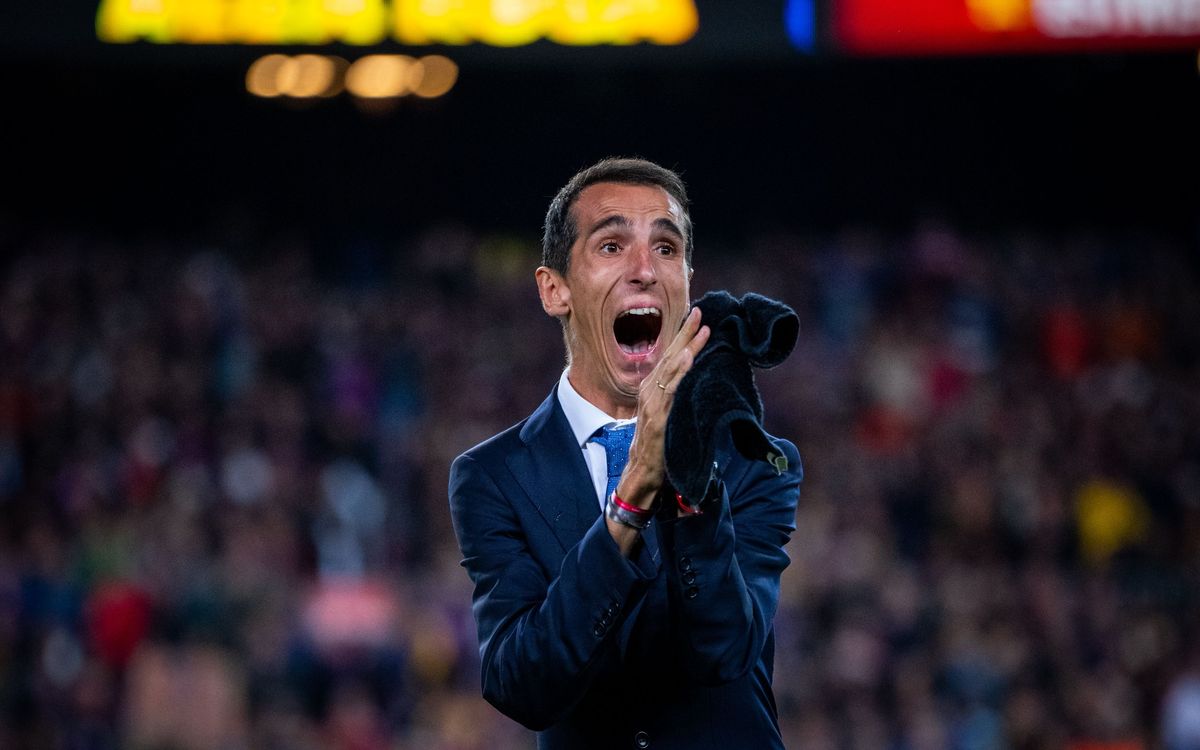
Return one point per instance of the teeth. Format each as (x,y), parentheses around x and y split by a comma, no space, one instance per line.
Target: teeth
(642,311)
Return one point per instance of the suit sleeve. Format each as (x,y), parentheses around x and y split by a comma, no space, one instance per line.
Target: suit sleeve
(541,639)
(724,568)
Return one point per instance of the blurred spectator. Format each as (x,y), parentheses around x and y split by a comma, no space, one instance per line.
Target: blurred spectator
(1181,711)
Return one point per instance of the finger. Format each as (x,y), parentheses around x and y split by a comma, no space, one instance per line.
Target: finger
(692,315)
(659,389)
(677,365)
(699,340)
(666,373)
(686,332)
(691,324)
(682,340)
(682,362)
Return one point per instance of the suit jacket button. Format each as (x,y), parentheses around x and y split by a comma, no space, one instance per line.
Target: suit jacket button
(685,564)
(691,592)
(641,740)
(689,577)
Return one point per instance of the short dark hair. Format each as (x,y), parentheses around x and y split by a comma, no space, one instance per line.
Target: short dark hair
(559,231)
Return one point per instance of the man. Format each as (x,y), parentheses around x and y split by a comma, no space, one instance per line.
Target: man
(593,630)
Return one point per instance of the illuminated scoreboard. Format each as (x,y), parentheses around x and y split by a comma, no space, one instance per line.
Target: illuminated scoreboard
(702,29)
(416,22)
(883,27)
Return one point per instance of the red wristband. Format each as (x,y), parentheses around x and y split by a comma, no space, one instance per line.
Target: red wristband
(691,511)
(629,508)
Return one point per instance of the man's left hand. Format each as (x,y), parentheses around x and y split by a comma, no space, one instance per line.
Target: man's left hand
(644,474)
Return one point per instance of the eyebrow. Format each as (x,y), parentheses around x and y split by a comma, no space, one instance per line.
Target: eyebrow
(608,221)
(669,226)
(617,220)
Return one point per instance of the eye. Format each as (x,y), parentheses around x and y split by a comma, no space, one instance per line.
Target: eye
(610,247)
(666,250)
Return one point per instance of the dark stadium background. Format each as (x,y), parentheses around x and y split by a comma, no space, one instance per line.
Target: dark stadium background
(762,130)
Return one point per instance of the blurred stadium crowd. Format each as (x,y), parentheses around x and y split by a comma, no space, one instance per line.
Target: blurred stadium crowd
(223,514)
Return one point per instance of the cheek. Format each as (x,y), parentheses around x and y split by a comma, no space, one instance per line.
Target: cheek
(680,292)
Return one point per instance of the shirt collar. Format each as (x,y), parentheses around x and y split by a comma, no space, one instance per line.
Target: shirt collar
(583,416)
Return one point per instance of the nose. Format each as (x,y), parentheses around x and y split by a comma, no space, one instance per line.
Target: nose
(641,266)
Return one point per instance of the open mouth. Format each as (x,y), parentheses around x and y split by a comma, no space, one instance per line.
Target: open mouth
(637,330)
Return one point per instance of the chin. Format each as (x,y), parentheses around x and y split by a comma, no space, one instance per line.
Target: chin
(625,383)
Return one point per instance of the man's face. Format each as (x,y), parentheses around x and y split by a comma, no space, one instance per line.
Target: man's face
(625,293)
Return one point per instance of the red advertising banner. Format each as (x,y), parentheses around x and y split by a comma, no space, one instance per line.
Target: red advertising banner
(917,27)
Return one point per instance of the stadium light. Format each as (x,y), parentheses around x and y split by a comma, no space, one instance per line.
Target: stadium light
(378,77)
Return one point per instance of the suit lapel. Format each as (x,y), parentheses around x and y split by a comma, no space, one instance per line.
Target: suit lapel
(553,474)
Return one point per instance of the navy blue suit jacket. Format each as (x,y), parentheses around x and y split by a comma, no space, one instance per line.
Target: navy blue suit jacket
(673,648)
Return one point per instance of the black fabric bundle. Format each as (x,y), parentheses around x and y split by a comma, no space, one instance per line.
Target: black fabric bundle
(717,401)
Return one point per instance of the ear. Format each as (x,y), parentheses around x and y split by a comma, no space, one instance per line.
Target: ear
(554,292)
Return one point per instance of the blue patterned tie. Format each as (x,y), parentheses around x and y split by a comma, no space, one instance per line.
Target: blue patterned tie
(616,442)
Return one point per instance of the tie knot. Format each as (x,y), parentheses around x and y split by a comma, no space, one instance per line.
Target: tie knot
(615,436)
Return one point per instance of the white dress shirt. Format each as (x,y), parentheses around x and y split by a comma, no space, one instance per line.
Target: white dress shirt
(585,418)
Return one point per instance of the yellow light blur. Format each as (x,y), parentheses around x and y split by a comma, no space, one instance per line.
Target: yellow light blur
(354,21)
(129,20)
(314,76)
(508,23)
(302,77)
(337,83)
(379,76)
(503,23)
(259,21)
(589,22)
(262,79)
(198,21)
(428,21)
(433,76)
(243,21)
(511,23)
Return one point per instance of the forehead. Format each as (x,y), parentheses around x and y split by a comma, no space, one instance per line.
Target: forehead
(632,201)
